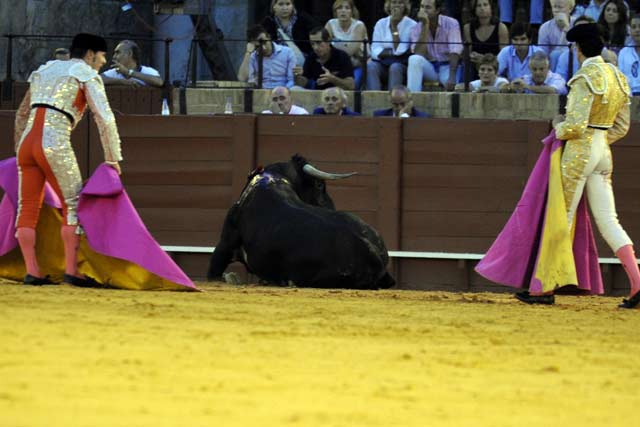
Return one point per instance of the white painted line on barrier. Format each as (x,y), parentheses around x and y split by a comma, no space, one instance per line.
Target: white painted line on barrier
(392,254)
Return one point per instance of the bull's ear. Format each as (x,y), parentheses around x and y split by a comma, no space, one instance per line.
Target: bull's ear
(298,161)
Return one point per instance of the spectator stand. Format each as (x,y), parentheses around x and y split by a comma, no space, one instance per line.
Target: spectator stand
(146,100)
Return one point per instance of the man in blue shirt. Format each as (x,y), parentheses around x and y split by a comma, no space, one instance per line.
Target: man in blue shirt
(401,105)
(629,60)
(513,60)
(277,61)
(334,103)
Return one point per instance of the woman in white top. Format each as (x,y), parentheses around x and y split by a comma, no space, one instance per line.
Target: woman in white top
(488,72)
(390,46)
(347,33)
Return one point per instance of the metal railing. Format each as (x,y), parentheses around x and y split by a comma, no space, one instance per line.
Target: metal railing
(8,81)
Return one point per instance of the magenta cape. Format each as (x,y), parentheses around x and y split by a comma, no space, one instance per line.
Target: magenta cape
(118,250)
(512,260)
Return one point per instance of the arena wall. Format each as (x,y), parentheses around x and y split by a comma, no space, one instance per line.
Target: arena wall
(443,186)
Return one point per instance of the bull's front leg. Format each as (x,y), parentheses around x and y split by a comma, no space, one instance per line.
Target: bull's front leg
(225,249)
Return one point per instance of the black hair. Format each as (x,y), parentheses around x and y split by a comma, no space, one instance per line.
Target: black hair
(592,47)
(520,28)
(475,21)
(619,33)
(326,37)
(78,52)
(254,32)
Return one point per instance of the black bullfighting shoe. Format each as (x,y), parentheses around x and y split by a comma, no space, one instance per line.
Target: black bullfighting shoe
(82,282)
(631,302)
(527,298)
(37,281)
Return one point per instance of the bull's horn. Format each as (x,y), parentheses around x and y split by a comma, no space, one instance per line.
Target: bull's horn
(310,170)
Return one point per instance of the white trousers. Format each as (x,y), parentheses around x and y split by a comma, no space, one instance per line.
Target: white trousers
(420,69)
(596,176)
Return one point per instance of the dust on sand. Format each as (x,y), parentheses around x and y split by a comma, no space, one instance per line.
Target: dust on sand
(256,356)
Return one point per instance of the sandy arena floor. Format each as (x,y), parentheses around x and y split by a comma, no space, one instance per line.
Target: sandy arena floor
(255,356)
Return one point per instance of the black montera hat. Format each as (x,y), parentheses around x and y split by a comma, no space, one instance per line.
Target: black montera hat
(582,33)
(89,41)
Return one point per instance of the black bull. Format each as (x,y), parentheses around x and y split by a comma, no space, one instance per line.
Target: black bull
(285,229)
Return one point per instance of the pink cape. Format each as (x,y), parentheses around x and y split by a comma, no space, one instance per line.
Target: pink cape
(512,258)
(112,225)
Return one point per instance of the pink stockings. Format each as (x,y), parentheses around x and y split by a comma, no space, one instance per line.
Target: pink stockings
(628,259)
(27,240)
(71,242)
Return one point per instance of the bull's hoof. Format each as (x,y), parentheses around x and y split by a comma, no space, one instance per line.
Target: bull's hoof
(231,278)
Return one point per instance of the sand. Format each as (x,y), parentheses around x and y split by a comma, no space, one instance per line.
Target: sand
(256,356)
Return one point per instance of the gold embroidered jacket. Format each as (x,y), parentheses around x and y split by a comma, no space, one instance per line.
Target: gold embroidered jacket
(600,97)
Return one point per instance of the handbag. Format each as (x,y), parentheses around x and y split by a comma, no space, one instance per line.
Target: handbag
(291,45)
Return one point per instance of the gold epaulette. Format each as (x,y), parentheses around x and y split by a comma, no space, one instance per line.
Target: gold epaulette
(622,80)
(595,76)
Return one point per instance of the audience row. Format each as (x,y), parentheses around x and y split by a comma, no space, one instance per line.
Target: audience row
(334,102)
(288,50)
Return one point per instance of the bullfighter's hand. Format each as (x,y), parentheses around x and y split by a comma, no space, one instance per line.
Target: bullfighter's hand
(116,166)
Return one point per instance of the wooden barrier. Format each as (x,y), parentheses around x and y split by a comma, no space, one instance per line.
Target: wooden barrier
(438,185)
(123,99)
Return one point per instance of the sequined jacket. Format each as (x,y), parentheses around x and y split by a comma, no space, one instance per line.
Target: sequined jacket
(599,97)
(69,86)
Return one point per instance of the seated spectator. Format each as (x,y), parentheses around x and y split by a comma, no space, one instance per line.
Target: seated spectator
(334,103)
(489,80)
(594,9)
(126,68)
(629,58)
(485,33)
(277,61)
(401,105)
(288,27)
(326,66)
(61,54)
(347,33)
(614,19)
(390,47)
(513,60)
(435,58)
(552,36)
(541,79)
(281,103)
(562,66)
